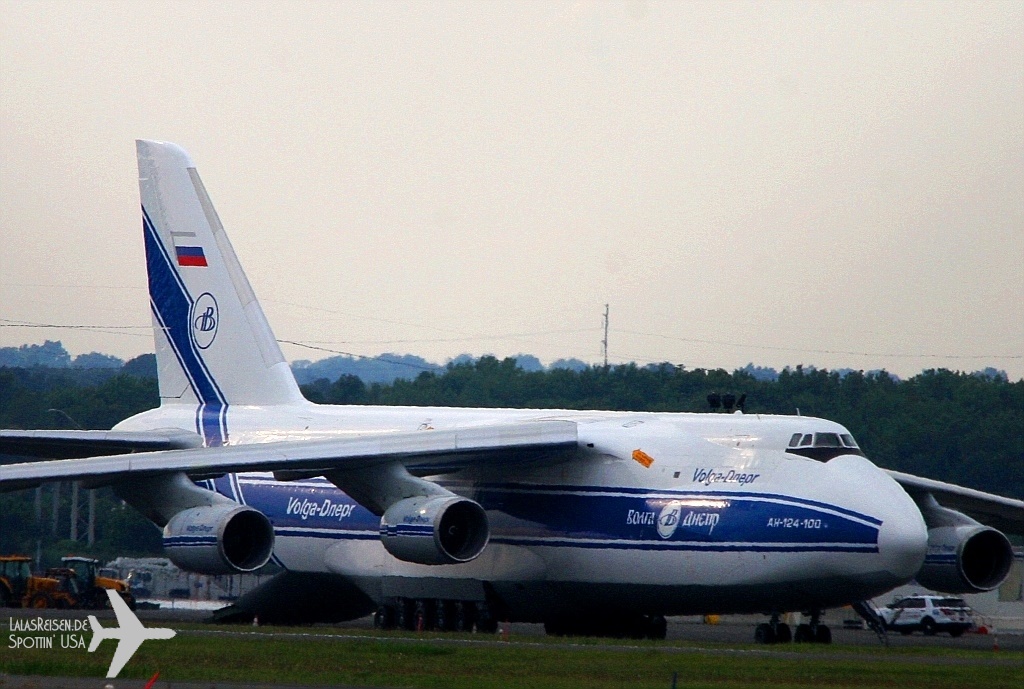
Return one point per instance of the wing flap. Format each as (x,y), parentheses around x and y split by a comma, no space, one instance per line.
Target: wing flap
(421,452)
(1005,514)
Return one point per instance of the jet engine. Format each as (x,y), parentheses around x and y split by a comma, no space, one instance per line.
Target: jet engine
(219,539)
(968,558)
(435,530)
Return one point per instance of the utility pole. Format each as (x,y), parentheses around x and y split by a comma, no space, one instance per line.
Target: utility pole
(604,342)
(39,524)
(91,532)
(56,507)
(74,510)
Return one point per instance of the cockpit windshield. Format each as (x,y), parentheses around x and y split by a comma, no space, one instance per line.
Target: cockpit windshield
(827,440)
(823,446)
(822,440)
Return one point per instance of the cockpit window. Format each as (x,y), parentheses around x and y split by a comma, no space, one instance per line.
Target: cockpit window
(827,440)
(823,446)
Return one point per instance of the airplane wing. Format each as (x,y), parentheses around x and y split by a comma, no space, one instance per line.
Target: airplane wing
(423,453)
(73,444)
(1005,514)
(126,647)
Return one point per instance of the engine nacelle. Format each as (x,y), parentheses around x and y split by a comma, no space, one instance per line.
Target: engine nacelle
(968,558)
(438,530)
(219,539)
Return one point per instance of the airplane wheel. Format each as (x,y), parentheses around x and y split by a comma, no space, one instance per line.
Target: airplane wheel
(555,627)
(463,616)
(823,635)
(657,627)
(404,617)
(763,634)
(384,618)
(783,634)
(486,623)
(421,617)
(803,634)
(443,619)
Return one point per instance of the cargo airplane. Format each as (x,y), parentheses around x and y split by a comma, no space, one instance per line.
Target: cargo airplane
(592,522)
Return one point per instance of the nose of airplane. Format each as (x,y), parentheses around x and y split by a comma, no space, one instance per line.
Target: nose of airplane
(902,535)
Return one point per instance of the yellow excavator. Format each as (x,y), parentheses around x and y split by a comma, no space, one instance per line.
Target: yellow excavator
(80,577)
(20,588)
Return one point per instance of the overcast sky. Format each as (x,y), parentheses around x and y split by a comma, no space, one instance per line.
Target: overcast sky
(827,183)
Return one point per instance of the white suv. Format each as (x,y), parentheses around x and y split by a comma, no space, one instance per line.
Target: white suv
(929,614)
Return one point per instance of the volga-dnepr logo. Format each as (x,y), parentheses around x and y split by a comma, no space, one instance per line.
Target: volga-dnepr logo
(668,520)
(672,516)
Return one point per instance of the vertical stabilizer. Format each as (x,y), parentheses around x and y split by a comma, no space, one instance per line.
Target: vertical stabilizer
(214,346)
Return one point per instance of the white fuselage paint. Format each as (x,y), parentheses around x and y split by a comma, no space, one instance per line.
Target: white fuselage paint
(722,520)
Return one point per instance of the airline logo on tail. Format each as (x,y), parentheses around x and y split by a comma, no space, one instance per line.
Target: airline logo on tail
(129,632)
(205,317)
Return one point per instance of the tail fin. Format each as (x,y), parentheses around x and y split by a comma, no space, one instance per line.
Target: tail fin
(214,346)
(98,633)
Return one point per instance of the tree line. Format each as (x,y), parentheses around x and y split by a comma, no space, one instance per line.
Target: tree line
(957,427)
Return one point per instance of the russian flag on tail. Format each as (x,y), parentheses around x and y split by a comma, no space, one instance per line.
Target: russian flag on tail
(190,256)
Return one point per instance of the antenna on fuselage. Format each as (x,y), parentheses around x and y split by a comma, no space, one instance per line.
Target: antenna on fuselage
(727,402)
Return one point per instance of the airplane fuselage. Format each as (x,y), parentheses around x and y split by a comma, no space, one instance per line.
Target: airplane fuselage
(663,513)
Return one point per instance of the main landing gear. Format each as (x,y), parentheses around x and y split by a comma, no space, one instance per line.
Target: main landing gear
(433,615)
(776,632)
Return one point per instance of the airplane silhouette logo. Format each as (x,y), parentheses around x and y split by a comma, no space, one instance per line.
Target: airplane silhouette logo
(129,632)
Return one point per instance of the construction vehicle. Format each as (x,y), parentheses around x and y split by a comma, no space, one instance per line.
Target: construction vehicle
(20,588)
(88,586)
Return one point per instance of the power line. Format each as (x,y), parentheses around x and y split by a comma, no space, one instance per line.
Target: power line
(468,338)
(362,356)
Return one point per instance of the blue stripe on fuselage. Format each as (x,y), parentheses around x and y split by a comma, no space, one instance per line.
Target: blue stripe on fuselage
(567,516)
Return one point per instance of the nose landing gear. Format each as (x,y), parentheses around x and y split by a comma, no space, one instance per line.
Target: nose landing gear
(777,632)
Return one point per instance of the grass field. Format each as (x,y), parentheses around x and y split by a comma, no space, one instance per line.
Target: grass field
(326,657)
